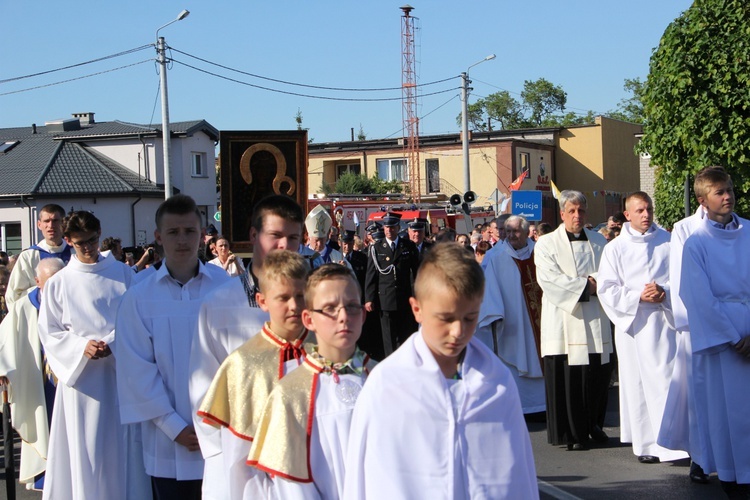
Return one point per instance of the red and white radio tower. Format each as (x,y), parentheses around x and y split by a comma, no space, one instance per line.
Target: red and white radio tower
(409,102)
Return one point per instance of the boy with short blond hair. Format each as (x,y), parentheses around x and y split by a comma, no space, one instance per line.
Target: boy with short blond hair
(715,288)
(240,388)
(302,436)
(441,417)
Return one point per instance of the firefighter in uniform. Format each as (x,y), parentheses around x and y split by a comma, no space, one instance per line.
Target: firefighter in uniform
(391,268)
(417,232)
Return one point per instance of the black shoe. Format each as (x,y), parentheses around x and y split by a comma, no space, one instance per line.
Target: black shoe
(648,459)
(598,435)
(697,475)
(577,447)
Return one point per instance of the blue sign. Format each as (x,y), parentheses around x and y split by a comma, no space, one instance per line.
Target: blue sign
(527,204)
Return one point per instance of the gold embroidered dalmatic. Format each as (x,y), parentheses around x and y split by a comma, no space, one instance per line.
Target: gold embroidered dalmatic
(282,440)
(240,388)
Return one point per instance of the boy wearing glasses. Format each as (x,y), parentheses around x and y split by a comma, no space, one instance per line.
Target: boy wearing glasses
(302,435)
(87,449)
(441,417)
(240,388)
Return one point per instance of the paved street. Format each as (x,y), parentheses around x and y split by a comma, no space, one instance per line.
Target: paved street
(610,472)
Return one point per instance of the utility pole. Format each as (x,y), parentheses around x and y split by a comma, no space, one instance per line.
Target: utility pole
(465,120)
(161,52)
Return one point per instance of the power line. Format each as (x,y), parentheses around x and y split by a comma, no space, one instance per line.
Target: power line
(111,56)
(74,79)
(347,99)
(303,84)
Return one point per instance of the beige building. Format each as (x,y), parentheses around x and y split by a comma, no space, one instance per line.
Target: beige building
(600,160)
(596,158)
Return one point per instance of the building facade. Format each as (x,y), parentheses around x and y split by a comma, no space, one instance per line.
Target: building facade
(113,169)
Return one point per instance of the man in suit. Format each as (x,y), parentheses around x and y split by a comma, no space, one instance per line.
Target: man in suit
(417,230)
(391,268)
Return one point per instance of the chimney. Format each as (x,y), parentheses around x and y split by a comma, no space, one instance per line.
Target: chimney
(33,128)
(85,118)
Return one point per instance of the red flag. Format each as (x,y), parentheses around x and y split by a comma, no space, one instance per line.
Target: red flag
(516,184)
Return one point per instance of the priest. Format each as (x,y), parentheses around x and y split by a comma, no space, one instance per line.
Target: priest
(509,321)
(576,336)
(633,289)
(32,387)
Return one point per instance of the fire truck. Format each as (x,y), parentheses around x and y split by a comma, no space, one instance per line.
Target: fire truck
(355,212)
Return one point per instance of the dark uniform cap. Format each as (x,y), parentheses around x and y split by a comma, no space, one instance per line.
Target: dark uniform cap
(374,226)
(391,219)
(418,224)
(378,235)
(347,236)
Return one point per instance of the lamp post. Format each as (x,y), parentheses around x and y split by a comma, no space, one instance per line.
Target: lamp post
(465,120)
(161,49)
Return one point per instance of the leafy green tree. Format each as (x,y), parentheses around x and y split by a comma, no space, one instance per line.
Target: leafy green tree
(630,109)
(477,120)
(361,135)
(350,183)
(696,102)
(569,119)
(502,108)
(542,99)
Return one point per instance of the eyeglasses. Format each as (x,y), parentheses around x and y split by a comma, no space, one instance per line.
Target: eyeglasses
(87,243)
(333,312)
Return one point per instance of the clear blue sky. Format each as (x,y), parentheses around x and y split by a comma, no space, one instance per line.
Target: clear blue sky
(589,47)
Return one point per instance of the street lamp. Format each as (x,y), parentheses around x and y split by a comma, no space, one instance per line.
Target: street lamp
(465,120)
(161,49)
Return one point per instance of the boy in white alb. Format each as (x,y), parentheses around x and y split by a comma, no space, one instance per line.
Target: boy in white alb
(302,435)
(241,387)
(88,446)
(715,287)
(229,317)
(156,323)
(441,417)
(634,292)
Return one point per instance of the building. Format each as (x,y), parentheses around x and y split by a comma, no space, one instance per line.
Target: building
(114,169)
(598,159)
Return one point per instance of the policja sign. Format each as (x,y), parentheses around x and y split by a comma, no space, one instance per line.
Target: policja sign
(527,204)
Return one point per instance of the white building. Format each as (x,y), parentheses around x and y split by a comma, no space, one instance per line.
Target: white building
(113,169)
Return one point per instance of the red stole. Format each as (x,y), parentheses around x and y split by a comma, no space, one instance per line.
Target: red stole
(532,294)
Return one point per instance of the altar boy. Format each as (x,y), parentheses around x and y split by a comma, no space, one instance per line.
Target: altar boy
(441,417)
(715,287)
(301,438)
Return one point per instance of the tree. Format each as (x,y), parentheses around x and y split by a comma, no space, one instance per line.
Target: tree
(361,136)
(542,99)
(298,119)
(696,102)
(505,110)
(631,108)
(350,183)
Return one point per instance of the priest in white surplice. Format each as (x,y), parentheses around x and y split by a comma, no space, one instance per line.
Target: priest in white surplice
(509,321)
(87,450)
(633,289)
(32,391)
(715,287)
(576,335)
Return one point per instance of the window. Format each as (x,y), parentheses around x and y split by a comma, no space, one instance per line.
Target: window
(351,168)
(524,162)
(199,165)
(7,146)
(433,176)
(10,237)
(393,170)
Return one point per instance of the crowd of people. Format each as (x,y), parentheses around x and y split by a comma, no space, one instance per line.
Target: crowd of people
(399,365)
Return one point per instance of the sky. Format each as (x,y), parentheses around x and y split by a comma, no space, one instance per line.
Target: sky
(589,47)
